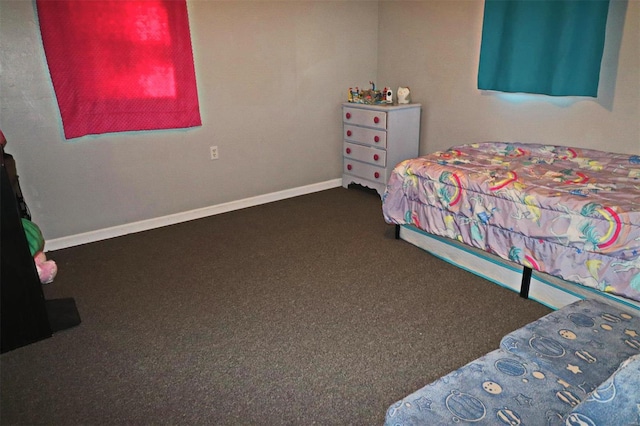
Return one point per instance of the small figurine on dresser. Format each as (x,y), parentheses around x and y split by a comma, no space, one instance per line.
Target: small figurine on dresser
(369,96)
(404,95)
(387,93)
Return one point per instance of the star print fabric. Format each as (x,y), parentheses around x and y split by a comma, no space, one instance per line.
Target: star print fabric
(554,371)
(499,388)
(617,398)
(578,344)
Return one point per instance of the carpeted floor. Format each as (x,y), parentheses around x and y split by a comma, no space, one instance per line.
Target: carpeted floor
(303,311)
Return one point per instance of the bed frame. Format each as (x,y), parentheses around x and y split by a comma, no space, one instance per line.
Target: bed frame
(543,288)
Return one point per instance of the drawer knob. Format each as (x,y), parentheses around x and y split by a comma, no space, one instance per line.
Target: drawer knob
(348,150)
(349,133)
(377,139)
(376,120)
(349,167)
(376,157)
(376,175)
(348,115)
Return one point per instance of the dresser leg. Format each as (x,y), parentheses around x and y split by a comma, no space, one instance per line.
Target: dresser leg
(397,232)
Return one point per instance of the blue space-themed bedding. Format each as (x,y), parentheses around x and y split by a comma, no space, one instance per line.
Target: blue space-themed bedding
(579,365)
(570,212)
(503,392)
(616,399)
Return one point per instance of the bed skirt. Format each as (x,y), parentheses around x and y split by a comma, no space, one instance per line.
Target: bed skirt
(543,288)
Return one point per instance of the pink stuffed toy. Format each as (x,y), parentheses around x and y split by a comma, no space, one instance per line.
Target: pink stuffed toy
(47,269)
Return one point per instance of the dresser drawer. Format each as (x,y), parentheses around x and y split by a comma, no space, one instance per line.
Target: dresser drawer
(365,171)
(365,154)
(363,117)
(377,138)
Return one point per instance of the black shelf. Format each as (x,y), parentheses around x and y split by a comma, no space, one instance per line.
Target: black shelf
(26,317)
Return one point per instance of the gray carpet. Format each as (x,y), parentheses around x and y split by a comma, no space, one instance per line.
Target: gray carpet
(303,311)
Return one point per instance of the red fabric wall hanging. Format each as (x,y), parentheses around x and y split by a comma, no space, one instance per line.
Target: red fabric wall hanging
(120,65)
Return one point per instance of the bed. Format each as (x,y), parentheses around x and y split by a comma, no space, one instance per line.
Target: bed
(556,222)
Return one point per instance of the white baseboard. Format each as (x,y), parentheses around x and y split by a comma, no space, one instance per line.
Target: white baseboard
(145,225)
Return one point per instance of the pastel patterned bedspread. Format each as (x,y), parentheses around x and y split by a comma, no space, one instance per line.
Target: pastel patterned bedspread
(570,212)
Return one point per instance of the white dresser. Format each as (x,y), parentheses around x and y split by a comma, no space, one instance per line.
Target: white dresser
(376,138)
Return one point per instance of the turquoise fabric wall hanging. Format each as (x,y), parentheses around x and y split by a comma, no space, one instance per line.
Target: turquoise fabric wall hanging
(551,47)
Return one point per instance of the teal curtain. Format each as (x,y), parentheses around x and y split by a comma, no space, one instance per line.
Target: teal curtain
(551,47)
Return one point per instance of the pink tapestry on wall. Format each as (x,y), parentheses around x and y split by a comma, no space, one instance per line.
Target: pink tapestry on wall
(120,65)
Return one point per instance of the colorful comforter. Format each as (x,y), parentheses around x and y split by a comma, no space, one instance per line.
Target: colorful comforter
(570,212)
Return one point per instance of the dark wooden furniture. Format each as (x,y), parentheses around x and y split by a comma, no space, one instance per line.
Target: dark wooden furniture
(24,314)
(26,317)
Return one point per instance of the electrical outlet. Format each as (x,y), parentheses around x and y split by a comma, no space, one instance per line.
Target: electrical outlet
(214,152)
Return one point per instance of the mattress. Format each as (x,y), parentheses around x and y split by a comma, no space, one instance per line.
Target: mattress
(570,212)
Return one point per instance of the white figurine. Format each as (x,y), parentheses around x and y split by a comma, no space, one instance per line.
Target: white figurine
(404,95)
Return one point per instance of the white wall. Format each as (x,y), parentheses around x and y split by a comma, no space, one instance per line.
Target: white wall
(271,76)
(434,47)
